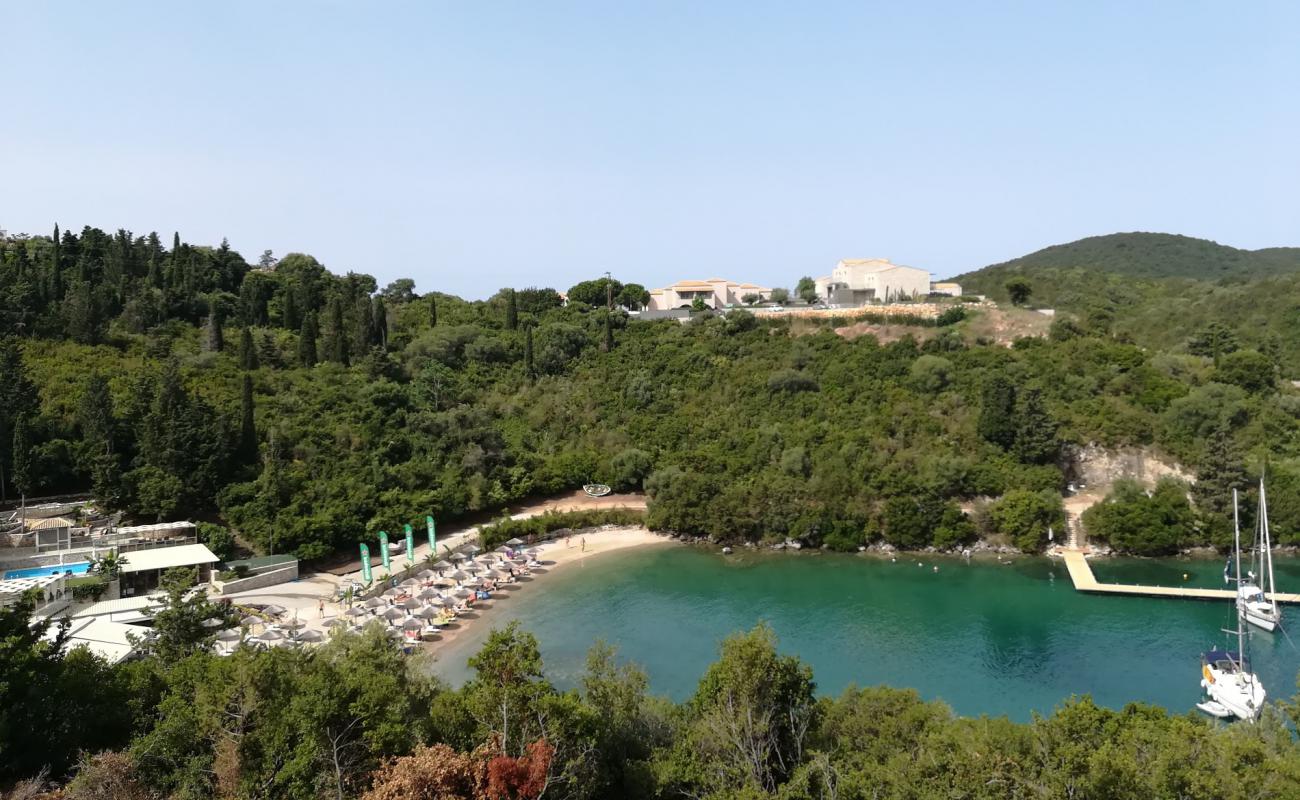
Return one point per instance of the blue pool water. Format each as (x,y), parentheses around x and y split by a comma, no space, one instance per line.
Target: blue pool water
(80,568)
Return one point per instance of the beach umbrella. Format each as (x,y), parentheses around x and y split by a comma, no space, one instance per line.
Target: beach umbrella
(250,621)
(462,593)
(471,567)
(269,636)
(442,565)
(355,612)
(458,575)
(409,603)
(274,610)
(213,622)
(428,612)
(439,601)
(229,635)
(310,636)
(412,624)
(394,592)
(374,602)
(428,593)
(459,557)
(410,582)
(393,614)
(515,542)
(393,632)
(337,622)
(425,574)
(473,548)
(293,624)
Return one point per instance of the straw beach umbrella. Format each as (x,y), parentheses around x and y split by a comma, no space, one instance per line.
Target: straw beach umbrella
(374,602)
(457,557)
(355,612)
(293,624)
(409,582)
(412,624)
(250,620)
(442,566)
(310,636)
(269,636)
(393,614)
(337,622)
(425,574)
(428,593)
(274,610)
(428,612)
(409,603)
(229,635)
(515,542)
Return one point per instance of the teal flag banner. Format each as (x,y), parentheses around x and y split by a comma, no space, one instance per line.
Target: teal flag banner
(365,564)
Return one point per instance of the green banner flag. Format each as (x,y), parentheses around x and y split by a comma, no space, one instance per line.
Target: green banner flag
(433,536)
(410,546)
(383,547)
(365,564)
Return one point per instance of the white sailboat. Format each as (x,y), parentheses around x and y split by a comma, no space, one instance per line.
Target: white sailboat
(1225,674)
(1255,594)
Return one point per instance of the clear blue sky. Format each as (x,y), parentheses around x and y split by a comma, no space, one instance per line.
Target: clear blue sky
(475,145)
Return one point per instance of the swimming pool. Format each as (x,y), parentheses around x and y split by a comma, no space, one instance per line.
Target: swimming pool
(80,568)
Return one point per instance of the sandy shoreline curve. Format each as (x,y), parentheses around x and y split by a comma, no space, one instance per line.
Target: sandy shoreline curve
(554,555)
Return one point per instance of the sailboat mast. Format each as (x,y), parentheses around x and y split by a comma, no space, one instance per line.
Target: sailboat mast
(1236,536)
(1267,545)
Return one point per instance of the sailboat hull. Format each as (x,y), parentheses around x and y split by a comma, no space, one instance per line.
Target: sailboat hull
(1259,620)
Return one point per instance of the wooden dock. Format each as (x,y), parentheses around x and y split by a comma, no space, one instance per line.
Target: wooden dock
(1085,581)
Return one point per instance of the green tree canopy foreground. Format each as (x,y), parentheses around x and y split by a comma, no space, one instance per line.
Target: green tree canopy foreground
(355,718)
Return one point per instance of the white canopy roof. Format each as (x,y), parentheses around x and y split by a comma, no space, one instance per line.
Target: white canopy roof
(185,555)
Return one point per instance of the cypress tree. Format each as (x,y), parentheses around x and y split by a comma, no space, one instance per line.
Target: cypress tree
(191,279)
(512,311)
(336,347)
(380,317)
(433,311)
(56,269)
(247,353)
(289,317)
(608,344)
(528,351)
(307,341)
(21,469)
(216,338)
(1036,441)
(364,331)
(247,428)
(997,411)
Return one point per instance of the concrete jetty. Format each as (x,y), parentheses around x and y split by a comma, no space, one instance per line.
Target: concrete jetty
(1085,581)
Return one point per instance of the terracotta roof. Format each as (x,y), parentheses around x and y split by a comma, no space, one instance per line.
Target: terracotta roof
(48,523)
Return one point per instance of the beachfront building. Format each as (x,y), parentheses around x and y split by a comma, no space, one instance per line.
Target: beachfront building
(142,569)
(858,281)
(714,293)
(946,288)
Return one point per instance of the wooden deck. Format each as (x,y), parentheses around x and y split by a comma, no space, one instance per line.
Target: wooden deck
(1085,581)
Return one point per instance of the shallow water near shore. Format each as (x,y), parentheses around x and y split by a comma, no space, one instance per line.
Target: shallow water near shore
(984,637)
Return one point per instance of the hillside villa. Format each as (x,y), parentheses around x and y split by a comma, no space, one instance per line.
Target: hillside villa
(714,293)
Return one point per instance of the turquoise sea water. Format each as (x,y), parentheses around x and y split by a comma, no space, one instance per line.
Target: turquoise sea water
(985,638)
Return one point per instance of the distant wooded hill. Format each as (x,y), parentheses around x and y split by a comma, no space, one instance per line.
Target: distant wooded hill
(1150,255)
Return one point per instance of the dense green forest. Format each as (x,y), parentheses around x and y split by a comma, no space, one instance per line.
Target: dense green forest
(355,718)
(305,410)
(1163,292)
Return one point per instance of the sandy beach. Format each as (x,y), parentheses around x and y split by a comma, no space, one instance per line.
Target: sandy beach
(554,556)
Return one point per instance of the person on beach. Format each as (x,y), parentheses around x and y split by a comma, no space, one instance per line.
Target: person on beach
(584,545)
(568,541)
(320,605)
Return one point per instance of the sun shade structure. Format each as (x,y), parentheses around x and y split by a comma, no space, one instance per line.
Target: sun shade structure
(274,610)
(442,565)
(515,542)
(185,555)
(229,635)
(355,612)
(409,582)
(310,636)
(425,574)
(269,636)
(393,614)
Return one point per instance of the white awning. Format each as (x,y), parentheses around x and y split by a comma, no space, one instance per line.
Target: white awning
(184,555)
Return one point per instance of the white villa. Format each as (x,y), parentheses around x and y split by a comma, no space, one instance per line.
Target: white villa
(715,292)
(857,281)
